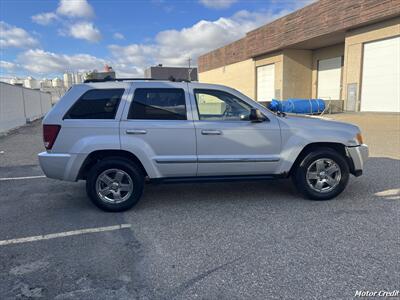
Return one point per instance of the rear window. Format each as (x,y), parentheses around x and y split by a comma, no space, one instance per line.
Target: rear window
(96,104)
(158,104)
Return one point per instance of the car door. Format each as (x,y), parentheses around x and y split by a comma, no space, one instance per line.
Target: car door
(157,126)
(228,143)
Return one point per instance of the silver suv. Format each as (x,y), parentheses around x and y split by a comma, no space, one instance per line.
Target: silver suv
(117,135)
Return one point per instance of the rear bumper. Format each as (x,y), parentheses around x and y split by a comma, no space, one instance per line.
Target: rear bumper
(358,155)
(61,166)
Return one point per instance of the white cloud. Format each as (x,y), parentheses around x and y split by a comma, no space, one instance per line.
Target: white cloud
(9,66)
(38,61)
(15,37)
(44,18)
(169,47)
(126,70)
(46,63)
(174,47)
(136,54)
(118,36)
(72,9)
(84,31)
(75,8)
(217,4)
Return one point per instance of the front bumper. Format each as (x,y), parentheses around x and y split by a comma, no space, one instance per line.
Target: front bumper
(358,155)
(61,166)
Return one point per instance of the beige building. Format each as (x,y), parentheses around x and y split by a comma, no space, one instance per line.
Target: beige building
(347,51)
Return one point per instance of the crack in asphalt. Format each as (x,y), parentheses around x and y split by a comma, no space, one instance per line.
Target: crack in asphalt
(191,282)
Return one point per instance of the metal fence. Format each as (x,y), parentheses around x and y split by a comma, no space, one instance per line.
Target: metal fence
(19,105)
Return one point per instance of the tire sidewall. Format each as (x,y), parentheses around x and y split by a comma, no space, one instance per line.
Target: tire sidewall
(301,172)
(115,163)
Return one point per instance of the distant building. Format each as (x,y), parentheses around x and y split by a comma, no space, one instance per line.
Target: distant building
(171,73)
(108,73)
(57,82)
(31,83)
(68,80)
(45,83)
(17,81)
(78,78)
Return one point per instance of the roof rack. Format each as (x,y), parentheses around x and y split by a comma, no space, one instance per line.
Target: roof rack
(133,79)
(115,79)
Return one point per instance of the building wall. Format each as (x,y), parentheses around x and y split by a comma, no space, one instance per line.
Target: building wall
(319,54)
(354,49)
(165,73)
(292,74)
(273,58)
(240,76)
(314,21)
(297,73)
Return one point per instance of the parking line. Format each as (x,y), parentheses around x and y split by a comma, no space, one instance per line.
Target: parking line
(63,234)
(21,178)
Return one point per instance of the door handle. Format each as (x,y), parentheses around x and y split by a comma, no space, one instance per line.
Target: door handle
(211,132)
(136,131)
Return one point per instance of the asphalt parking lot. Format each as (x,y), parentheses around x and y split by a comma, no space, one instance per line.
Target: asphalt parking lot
(251,240)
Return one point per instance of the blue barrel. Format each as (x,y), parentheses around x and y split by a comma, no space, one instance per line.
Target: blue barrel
(298,106)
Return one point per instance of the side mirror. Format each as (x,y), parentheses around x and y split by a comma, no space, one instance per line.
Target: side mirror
(256,116)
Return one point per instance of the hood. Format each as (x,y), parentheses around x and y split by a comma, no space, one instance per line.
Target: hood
(324,128)
(304,120)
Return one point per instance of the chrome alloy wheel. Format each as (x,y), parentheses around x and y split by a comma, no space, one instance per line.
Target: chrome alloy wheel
(323,175)
(114,186)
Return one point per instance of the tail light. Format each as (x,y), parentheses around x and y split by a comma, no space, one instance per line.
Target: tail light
(50,133)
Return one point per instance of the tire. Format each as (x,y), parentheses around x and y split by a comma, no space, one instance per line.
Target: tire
(315,185)
(115,184)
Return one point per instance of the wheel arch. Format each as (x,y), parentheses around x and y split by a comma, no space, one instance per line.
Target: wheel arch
(338,147)
(98,155)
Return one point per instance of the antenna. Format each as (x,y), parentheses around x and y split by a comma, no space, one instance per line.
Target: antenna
(189,70)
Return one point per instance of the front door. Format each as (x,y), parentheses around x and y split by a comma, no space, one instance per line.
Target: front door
(227,142)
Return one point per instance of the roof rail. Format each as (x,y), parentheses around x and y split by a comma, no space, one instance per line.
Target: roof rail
(133,79)
(115,79)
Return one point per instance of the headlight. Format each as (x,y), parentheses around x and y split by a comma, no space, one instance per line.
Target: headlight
(359,138)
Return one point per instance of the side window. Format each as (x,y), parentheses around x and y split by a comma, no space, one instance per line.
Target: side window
(158,104)
(214,105)
(96,104)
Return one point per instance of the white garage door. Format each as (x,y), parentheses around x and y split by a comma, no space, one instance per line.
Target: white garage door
(329,77)
(381,76)
(266,83)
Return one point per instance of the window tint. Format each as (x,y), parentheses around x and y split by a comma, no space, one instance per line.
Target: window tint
(216,105)
(158,104)
(96,104)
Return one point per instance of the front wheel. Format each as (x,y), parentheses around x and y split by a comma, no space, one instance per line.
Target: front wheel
(322,174)
(115,184)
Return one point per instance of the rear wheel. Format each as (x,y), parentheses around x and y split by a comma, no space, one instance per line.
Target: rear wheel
(322,174)
(115,184)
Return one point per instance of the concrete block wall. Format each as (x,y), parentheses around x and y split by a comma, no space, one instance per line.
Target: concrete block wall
(46,102)
(20,105)
(32,103)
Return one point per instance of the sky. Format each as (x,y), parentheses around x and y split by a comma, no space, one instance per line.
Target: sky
(45,38)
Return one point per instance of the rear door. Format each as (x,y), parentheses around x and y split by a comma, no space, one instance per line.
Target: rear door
(157,126)
(90,118)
